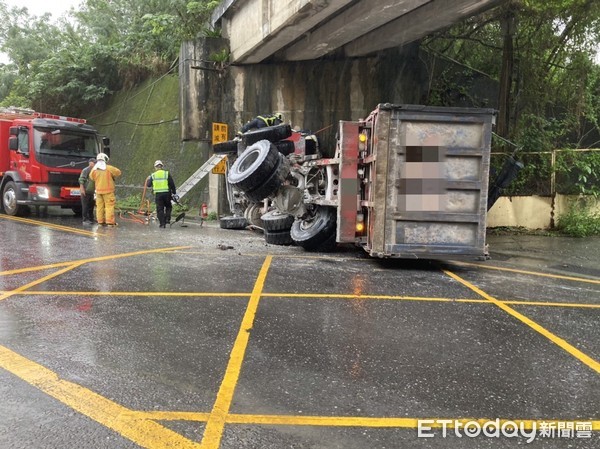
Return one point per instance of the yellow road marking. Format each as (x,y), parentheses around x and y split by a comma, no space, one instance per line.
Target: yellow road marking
(216,421)
(584,358)
(38,281)
(26,270)
(305,296)
(92,259)
(162,415)
(532,273)
(553,304)
(488,267)
(143,432)
(287,256)
(344,421)
(53,226)
(361,421)
(114,293)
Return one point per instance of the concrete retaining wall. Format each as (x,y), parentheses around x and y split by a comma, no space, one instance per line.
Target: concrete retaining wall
(311,94)
(531,212)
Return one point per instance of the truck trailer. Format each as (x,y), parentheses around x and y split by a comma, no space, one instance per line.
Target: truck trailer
(408,181)
(41,157)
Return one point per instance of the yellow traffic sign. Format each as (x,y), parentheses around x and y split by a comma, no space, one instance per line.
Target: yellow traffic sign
(219,132)
(220,168)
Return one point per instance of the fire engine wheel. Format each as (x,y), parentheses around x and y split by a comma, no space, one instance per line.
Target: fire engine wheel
(233,223)
(9,199)
(270,133)
(279,238)
(229,147)
(274,221)
(253,166)
(316,232)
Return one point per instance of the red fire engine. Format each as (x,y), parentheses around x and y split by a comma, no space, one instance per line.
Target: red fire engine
(41,157)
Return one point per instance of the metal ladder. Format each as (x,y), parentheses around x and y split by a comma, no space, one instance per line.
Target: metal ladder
(199,174)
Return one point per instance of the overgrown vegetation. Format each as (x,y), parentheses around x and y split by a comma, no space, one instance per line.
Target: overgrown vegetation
(542,55)
(579,221)
(71,64)
(134,203)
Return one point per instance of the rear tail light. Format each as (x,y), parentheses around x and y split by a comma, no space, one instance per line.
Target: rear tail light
(360,223)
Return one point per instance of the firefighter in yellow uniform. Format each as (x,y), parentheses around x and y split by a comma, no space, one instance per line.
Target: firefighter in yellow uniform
(104,176)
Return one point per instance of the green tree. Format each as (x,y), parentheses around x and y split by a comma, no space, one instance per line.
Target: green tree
(68,65)
(542,55)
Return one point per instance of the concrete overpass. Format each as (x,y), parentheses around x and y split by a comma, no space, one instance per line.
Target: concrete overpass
(296,30)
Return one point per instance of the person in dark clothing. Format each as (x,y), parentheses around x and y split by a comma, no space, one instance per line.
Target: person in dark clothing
(86,189)
(262,121)
(163,187)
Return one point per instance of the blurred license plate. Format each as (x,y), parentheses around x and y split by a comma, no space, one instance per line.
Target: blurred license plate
(75,192)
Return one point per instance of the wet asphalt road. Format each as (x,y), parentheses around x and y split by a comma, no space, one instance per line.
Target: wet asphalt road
(201,337)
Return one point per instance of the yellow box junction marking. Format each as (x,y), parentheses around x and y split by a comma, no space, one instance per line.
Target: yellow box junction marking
(139,426)
(53,226)
(584,358)
(21,289)
(218,416)
(531,273)
(144,432)
(92,259)
(302,296)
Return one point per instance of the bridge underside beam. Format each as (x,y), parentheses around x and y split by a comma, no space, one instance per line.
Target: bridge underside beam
(309,29)
(433,16)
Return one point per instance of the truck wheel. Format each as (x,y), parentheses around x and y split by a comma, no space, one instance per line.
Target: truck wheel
(229,147)
(233,223)
(316,232)
(279,238)
(271,185)
(9,199)
(253,166)
(285,147)
(274,221)
(270,133)
(253,214)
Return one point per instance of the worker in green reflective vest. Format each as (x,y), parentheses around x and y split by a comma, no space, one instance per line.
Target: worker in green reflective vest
(163,187)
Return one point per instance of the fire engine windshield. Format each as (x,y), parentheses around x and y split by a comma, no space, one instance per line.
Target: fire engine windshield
(65,143)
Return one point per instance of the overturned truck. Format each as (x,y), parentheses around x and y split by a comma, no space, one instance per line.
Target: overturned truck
(406,182)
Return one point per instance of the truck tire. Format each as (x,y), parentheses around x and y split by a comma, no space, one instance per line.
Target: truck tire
(253,166)
(253,215)
(233,222)
(229,147)
(274,221)
(279,238)
(9,199)
(270,133)
(271,185)
(316,232)
(285,147)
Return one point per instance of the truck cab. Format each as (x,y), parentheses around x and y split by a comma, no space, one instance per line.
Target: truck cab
(41,157)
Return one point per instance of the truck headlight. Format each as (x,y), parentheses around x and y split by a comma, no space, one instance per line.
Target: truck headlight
(43,192)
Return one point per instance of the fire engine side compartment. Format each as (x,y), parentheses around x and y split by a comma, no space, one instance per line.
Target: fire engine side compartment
(429,181)
(4,152)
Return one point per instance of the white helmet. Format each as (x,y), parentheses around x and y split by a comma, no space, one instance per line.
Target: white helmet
(158,163)
(102,157)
